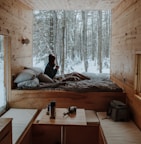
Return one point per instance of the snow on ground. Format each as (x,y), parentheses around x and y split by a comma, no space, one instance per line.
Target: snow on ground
(76,66)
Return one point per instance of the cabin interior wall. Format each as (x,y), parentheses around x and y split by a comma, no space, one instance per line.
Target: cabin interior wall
(16,22)
(126,35)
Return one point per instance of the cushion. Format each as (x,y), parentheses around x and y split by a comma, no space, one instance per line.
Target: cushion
(25,75)
(36,70)
(21,120)
(119,132)
(44,78)
(29,83)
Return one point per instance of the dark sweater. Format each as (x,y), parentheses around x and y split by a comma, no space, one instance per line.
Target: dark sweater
(50,71)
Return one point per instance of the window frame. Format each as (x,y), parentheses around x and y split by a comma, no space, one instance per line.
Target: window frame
(137,80)
(7,70)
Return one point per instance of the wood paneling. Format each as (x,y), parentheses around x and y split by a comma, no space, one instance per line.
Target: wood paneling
(80,128)
(126,35)
(71,4)
(16,22)
(5,131)
(40,98)
(43,134)
(81,134)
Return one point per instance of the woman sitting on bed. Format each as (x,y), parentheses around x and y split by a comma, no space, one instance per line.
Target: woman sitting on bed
(51,72)
(51,69)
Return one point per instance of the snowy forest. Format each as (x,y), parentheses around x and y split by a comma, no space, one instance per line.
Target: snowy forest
(2,88)
(80,40)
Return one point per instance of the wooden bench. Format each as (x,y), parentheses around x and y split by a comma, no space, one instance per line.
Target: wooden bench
(118,132)
(21,124)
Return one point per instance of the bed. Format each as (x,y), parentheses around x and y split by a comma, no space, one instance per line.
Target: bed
(34,79)
(91,91)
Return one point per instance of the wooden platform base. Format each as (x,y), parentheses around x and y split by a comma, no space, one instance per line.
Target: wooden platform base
(39,99)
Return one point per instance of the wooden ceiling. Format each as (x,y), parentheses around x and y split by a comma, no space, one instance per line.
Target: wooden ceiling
(71,4)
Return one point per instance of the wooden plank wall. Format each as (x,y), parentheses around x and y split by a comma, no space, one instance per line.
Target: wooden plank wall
(39,99)
(126,40)
(16,22)
(71,5)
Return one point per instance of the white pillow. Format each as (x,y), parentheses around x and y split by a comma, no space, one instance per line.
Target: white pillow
(44,78)
(36,70)
(25,75)
(29,83)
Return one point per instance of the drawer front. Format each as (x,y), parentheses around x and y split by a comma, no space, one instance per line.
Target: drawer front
(81,134)
(6,134)
(46,134)
(7,139)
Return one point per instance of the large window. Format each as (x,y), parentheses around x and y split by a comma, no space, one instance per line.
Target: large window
(2,85)
(79,39)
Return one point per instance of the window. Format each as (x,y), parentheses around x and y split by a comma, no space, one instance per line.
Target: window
(138,73)
(79,39)
(3,65)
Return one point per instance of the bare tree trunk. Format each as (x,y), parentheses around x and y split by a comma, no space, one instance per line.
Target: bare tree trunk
(51,32)
(85,40)
(100,41)
(73,37)
(94,35)
(108,24)
(63,44)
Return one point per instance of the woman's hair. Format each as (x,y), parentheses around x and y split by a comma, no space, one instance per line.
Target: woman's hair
(52,59)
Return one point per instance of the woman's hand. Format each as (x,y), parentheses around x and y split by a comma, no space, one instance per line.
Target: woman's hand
(57,67)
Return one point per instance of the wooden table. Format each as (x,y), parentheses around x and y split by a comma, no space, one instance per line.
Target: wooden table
(77,119)
(71,129)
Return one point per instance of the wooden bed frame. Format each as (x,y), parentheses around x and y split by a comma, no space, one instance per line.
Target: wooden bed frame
(40,98)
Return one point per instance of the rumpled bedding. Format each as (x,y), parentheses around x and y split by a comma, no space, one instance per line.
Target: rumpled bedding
(84,82)
(91,85)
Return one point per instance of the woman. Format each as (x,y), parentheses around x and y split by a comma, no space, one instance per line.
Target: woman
(50,68)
